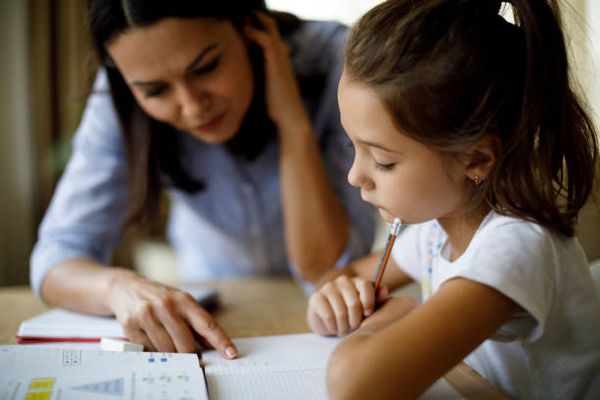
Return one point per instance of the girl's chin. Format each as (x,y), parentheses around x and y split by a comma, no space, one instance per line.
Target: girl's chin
(386,215)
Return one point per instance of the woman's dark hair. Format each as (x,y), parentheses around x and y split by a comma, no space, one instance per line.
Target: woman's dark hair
(151,146)
(452,71)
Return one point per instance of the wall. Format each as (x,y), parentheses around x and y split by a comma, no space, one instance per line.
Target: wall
(583,22)
(16,174)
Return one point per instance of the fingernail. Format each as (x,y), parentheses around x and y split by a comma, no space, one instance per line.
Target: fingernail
(231,352)
(368,312)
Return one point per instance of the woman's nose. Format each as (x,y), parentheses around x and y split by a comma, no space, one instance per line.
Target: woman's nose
(194,105)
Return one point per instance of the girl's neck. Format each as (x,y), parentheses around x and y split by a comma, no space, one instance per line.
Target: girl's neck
(461,228)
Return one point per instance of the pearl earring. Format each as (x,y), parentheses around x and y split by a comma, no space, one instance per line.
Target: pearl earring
(476,179)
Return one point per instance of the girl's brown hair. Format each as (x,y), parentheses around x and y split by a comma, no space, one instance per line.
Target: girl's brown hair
(451,71)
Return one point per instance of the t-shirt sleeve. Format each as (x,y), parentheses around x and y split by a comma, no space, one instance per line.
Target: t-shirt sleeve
(516,259)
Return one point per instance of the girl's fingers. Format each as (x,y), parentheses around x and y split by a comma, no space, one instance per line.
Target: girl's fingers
(366,293)
(336,301)
(320,315)
(382,294)
(351,299)
(204,324)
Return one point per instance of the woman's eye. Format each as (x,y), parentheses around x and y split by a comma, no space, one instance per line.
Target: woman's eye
(207,68)
(155,91)
(384,167)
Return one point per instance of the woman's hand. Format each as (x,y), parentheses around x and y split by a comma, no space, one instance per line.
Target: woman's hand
(163,318)
(339,306)
(283,99)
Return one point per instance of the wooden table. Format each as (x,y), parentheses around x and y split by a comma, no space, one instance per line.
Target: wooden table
(249,307)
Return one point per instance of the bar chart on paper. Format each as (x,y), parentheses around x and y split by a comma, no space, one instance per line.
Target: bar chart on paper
(70,374)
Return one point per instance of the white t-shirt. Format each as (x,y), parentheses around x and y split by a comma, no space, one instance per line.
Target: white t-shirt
(550,351)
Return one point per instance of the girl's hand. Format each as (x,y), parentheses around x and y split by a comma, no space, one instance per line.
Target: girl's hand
(283,99)
(163,318)
(339,306)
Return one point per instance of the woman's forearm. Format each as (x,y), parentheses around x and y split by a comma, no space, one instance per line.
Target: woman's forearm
(316,225)
(81,285)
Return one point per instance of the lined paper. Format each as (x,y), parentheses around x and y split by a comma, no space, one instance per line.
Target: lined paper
(271,367)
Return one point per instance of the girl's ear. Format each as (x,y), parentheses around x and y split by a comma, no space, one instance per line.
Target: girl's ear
(480,160)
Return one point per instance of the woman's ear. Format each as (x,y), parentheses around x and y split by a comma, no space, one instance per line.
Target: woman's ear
(481,158)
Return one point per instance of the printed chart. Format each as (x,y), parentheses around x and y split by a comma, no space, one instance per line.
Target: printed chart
(73,374)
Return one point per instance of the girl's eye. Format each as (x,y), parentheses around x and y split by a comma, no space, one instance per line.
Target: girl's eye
(207,68)
(384,167)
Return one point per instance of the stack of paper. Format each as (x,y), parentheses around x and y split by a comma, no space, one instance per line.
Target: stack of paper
(66,326)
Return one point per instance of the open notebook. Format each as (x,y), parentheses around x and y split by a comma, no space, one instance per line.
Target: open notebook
(269,367)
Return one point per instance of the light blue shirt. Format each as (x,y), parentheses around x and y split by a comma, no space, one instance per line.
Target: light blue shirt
(235,226)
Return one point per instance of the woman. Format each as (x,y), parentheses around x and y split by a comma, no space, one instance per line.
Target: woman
(233,110)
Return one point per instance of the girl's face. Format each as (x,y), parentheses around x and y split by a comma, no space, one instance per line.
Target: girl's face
(398,175)
(193,74)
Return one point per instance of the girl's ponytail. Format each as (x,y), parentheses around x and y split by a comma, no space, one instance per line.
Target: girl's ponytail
(546,170)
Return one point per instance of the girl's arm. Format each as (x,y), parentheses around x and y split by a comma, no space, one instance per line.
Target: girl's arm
(160,317)
(399,352)
(316,225)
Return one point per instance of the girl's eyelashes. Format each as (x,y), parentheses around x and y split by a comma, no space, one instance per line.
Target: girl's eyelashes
(384,167)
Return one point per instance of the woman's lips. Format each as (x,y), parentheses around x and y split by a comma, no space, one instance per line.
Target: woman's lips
(211,125)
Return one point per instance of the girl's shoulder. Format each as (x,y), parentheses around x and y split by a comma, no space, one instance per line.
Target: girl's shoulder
(521,257)
(502,231)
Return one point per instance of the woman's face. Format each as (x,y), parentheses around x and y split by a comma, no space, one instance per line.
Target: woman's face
(193,74)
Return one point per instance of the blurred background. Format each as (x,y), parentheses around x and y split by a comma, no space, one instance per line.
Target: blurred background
(46,68)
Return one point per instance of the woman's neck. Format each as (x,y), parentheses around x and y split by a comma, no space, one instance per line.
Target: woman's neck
(461,228)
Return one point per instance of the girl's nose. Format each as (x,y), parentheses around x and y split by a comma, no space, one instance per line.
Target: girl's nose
(358,179)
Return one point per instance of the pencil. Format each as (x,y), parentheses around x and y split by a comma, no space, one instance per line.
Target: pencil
(394,230)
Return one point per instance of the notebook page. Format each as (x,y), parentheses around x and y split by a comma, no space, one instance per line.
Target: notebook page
(78,373)
(290,367)
(271,367)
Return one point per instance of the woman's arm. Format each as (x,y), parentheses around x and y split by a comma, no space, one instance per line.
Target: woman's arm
(316,225)
(399,352)
(160,317)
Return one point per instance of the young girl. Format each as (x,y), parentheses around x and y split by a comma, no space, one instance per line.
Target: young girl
(465,126)
(230,108)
